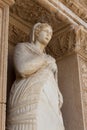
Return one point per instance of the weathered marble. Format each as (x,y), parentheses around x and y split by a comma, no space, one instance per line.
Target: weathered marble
(35,99)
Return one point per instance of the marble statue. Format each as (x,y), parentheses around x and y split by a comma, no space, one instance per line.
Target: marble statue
(35,99)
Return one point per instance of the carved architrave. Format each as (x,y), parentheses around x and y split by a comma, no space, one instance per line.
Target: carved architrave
(83,79)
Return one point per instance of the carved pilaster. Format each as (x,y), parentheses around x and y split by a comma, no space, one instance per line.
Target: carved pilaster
(83,81)
(4,19)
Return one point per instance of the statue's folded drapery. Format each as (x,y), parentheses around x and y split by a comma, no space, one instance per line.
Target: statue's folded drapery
(35,99)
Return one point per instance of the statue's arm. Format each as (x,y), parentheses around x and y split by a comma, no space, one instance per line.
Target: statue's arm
(26,65)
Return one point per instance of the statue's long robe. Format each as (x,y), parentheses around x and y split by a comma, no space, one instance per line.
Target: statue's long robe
(33,101)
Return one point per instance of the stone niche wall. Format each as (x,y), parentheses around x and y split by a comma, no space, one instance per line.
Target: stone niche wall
(83,81)
(11,71)
(64,47)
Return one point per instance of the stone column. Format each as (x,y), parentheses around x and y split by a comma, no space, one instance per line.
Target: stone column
(4,20)
(72,75)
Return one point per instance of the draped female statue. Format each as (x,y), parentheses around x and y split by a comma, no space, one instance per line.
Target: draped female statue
(35,99)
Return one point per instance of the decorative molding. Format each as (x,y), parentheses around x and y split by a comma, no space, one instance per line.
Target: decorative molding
(79,7)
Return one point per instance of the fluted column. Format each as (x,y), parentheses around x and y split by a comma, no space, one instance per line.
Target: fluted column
(4,20)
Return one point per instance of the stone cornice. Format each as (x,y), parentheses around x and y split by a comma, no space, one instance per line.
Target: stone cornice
(53,7)
(62,12)
(77,8)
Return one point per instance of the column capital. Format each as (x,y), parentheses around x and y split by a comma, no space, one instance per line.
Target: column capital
(70,39)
